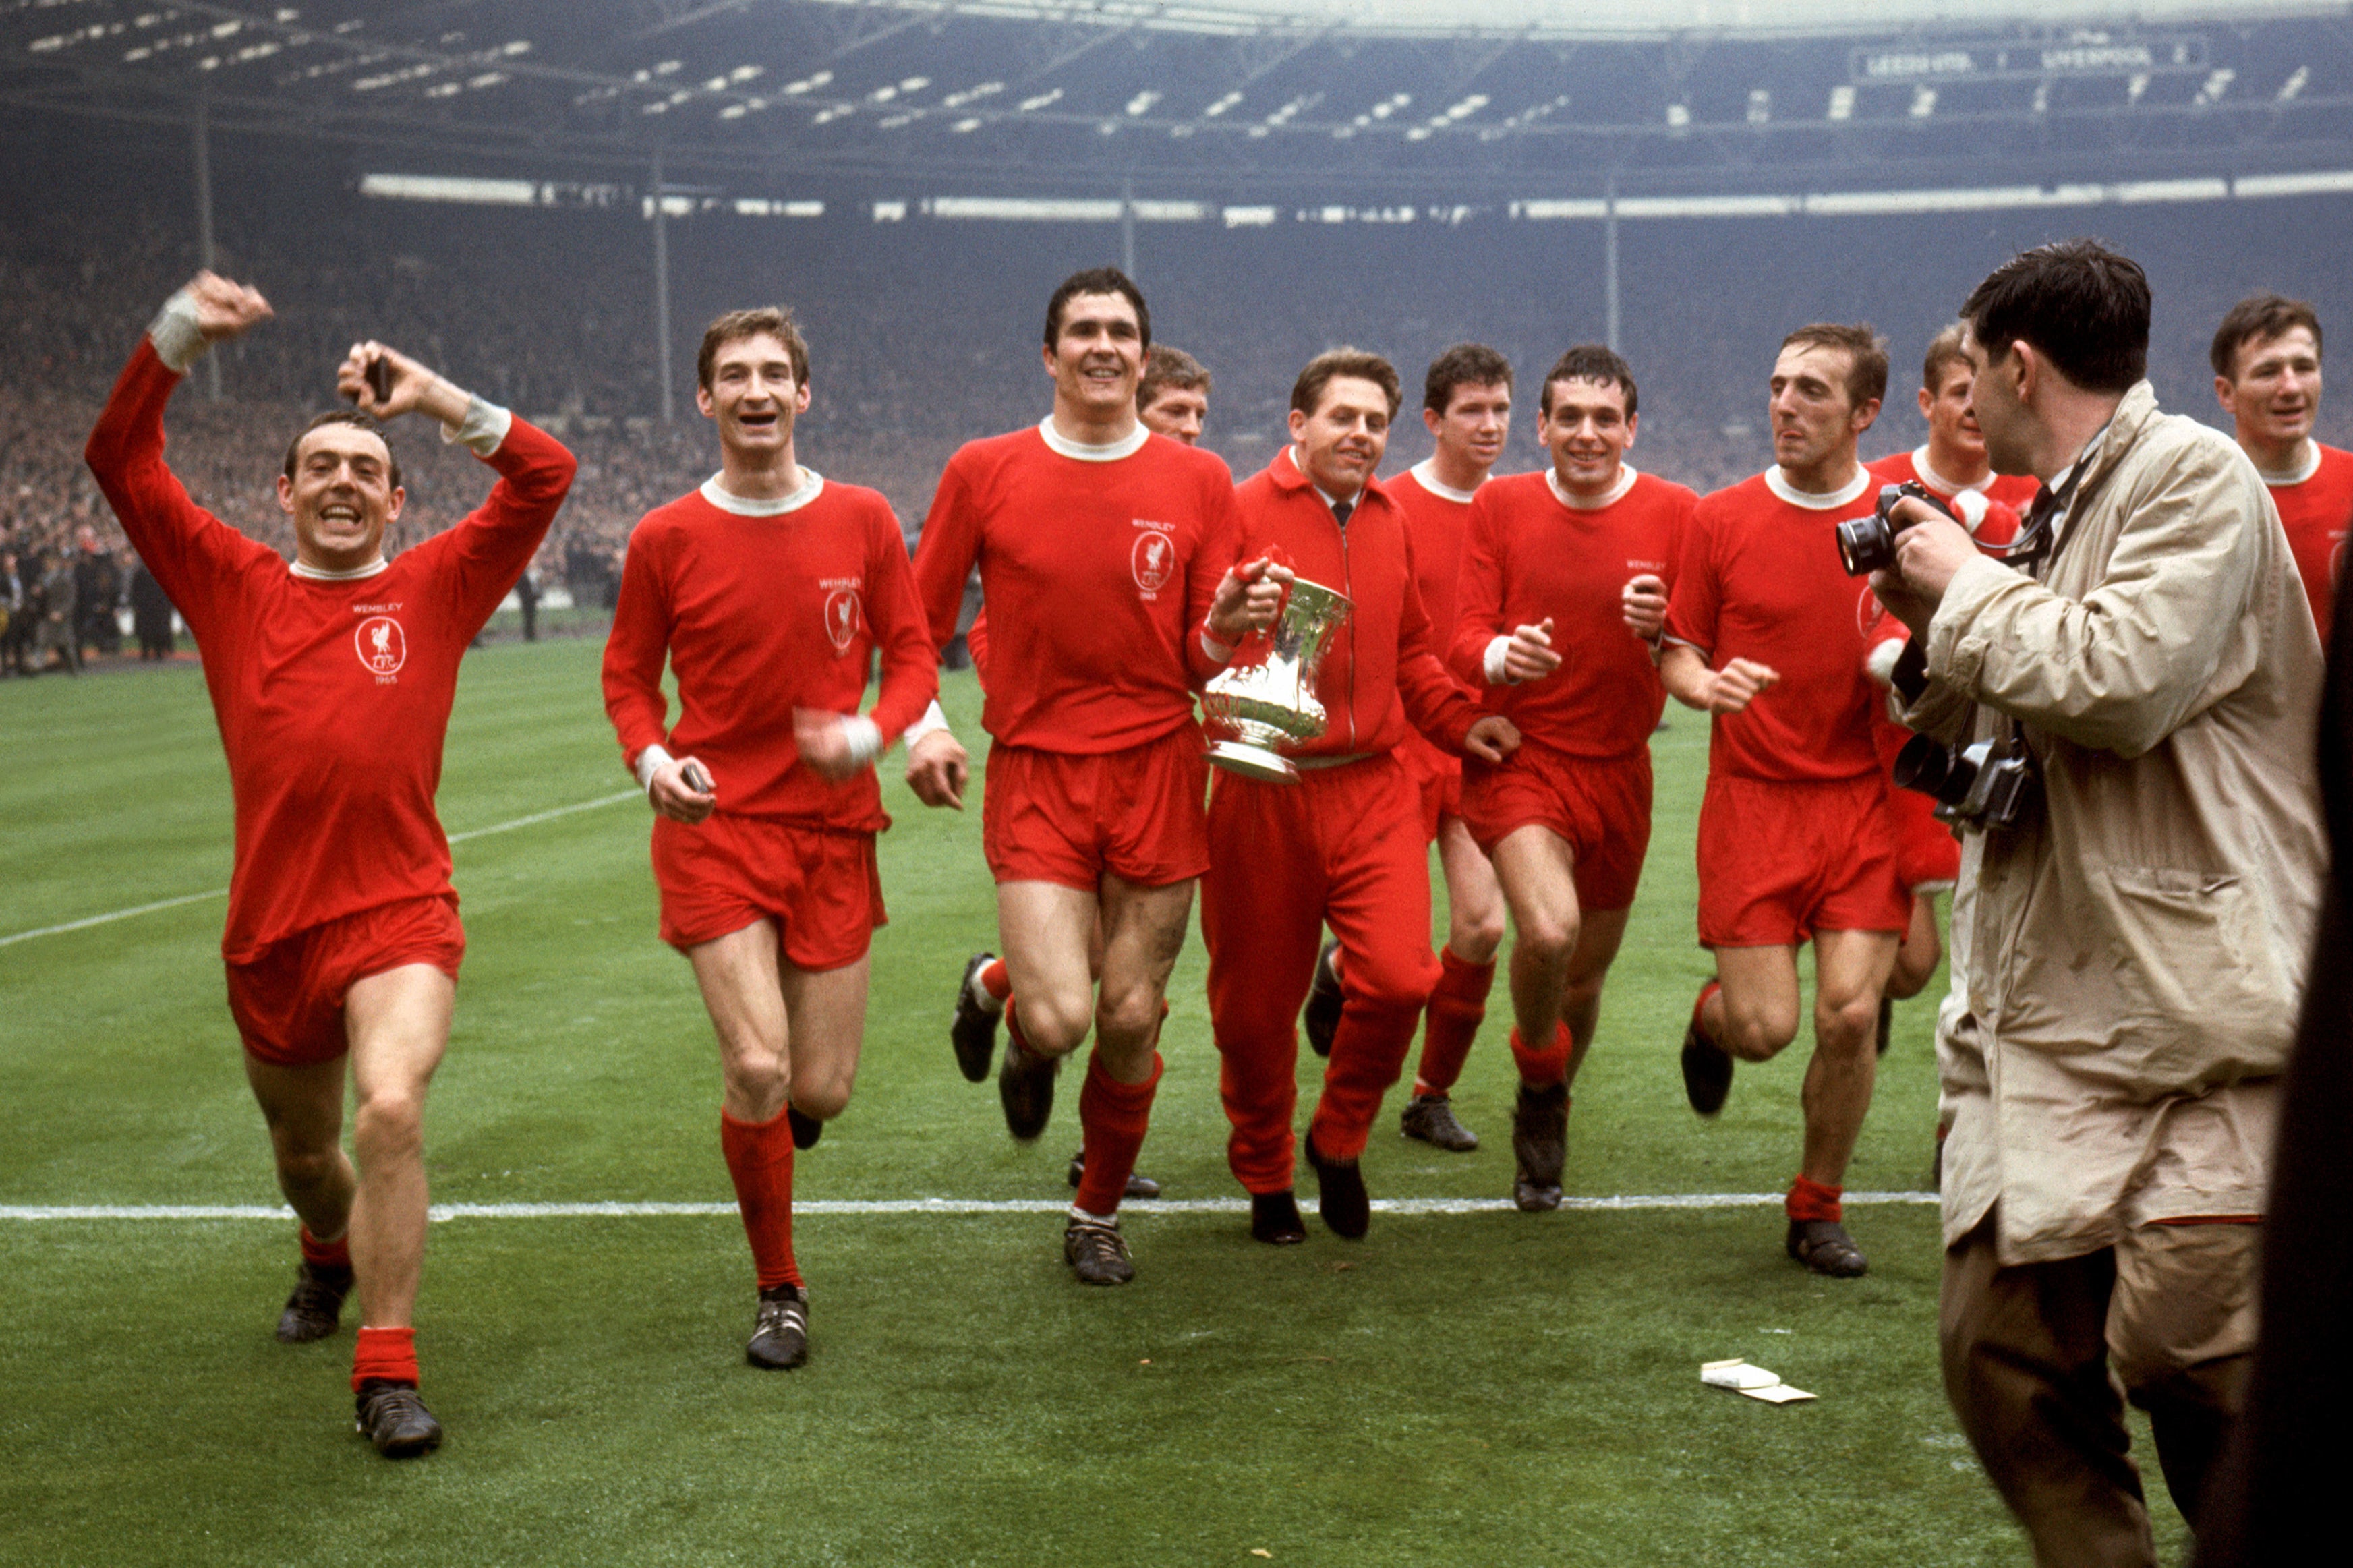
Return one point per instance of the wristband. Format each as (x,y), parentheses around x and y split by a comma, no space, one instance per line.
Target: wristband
(1498,669)
(933,719)
(484,429)
(1214,650)
(651,760)
(865,738)
(179,341)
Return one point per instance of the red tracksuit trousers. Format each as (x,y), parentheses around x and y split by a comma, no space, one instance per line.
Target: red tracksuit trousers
(1343,846)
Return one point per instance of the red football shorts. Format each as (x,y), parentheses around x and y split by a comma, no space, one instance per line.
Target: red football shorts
(820,885)
(1927,856)
(1436,775)
(288,1000)
(1779,862)
(1052,816)
(1601,806)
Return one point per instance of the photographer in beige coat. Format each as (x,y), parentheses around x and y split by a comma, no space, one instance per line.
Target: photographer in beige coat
(2142,855)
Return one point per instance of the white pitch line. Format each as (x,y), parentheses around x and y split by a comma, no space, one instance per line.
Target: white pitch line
(109,918)
(68,1212)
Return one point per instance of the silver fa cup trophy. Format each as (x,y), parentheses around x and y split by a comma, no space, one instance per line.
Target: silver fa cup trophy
(1265,706)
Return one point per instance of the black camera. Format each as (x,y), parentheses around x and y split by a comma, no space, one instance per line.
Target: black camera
(1971,786)
(1868,544)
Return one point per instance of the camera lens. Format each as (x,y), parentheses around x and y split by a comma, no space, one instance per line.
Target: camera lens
(1921,764)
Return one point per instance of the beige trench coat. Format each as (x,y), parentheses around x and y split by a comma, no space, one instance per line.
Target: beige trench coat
(2127,987)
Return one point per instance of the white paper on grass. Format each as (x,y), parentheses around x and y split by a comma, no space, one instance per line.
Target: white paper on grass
(1755,1382)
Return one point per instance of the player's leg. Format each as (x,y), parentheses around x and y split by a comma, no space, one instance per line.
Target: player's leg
(1138,1186)
(1588,969)
(1050,1004)
(303,1107)
(398,1024)
(740,977)
(1752,1012)
(1922,950)
(1466,973)
(1538,870)
(1850,969)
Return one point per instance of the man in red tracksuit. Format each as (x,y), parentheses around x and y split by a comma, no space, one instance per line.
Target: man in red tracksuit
(1345,844)
(332,677)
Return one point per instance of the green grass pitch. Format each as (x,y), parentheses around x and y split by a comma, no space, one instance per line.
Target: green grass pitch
(1477,1388)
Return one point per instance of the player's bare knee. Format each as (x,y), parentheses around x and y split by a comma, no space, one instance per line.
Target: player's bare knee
(306,1167)
(821,1101)
(1475,939)
(1133,1017)
(389,1123)
(1757,1036)
(1845,1022)
(1051,1027)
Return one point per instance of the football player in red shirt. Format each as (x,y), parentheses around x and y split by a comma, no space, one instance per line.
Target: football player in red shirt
(1110,560)
(1466,403)
(1173,397)
(1343,842)
(2266,357)
(1564,589)
(1795,843)
(331,680)
(768,591)
(1952,465)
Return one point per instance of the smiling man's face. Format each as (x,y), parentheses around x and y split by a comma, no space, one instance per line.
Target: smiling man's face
(341,496)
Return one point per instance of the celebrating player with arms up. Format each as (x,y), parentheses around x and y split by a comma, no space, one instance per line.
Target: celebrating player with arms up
(1344,843)
(331,680)
(1794,838)
(1108,560)
(1565,582)
(2266,357)
(1466,403)
(768,589)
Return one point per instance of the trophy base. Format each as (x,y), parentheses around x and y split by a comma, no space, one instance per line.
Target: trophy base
(1253,761)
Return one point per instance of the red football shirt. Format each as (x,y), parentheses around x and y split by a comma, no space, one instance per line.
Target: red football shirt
(1097,571)
(1991,508)
(1437,518)
(1380,677)
(1531,555)
(333,696)
(763,607)
(1760,579)
(2316,510)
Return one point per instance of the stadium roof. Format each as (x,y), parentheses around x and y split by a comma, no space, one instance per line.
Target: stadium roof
(1414,96)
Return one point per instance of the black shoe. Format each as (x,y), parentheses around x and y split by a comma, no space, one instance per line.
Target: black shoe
(1097,1254)
(316,1308)
(1324,1001)
(1340,1199)
(806,1129)
(1886,1025)
(1540,1144)
(1431,1118)
(1275,1219)
(972,1028)
(1138,1186)
(1824,1246)
(1707,1070)
(393,1417)
(1025,1087)
(779,1329)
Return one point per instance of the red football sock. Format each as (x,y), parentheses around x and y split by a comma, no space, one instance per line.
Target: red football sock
(1457,1008)
(335,1254)
(385,1354)
(760,1159)
(1542,1069)
(995,979)
(1113,1118)
(1013,1025)
(1809,1199)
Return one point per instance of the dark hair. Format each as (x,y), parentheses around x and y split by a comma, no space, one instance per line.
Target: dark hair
(1308,392)
(2259,319)
(352,417)
(2083,307)
(1944,349)
(1594,363)
(1098,281)
(1166,370)
(1866,355)
(770,320)
(1464,364)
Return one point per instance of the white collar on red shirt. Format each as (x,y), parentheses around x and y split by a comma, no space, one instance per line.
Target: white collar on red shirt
(1845,495)
(321,574)
(1127,445)
(812,485)
(1425,474)
(2305,469)
(1968,500)
(1574,502)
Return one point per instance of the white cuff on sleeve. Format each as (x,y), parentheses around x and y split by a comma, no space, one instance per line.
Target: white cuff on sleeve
(179,342)
(1214,650)
(484,429)
(864,735)
(1879,662)
(932,718)
(1497,648)
(651,760)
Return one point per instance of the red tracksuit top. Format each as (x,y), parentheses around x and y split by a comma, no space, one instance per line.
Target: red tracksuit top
(1096,574)
(1530,555)
(1380,673)
(2317,510)
(760,612)
(333,697)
